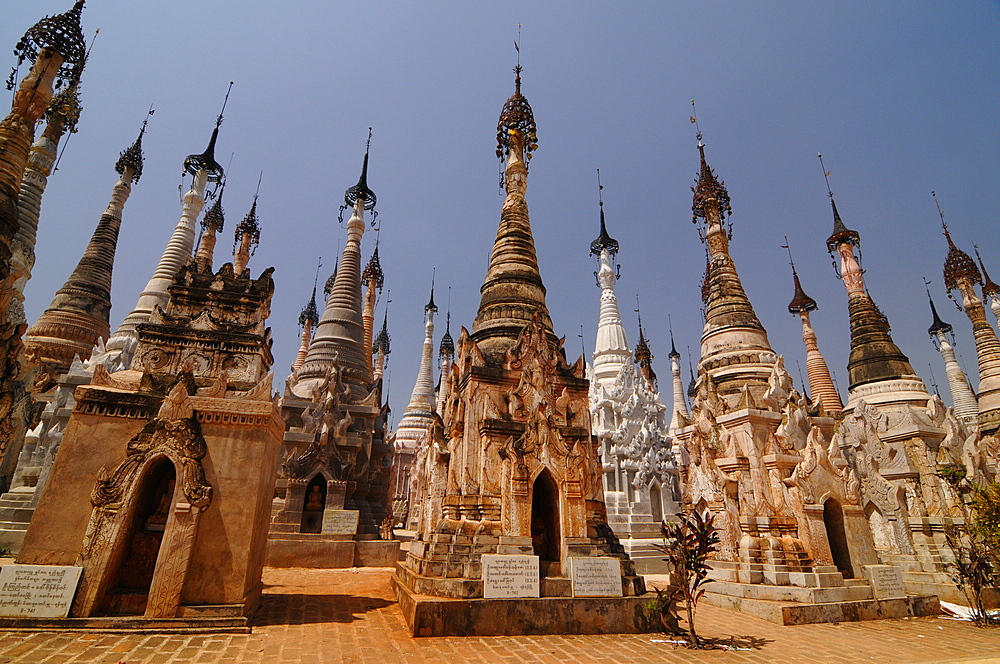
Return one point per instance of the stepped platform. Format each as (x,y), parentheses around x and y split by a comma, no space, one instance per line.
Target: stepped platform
(428,615)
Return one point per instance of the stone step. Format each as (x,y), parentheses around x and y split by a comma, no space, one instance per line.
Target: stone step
(827,612)
(16,514)
(791,593)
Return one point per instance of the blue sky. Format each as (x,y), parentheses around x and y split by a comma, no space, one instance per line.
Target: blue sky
(900,97)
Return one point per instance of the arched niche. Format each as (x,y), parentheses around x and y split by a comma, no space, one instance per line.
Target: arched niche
(546,537)
(313,505)
(836,535)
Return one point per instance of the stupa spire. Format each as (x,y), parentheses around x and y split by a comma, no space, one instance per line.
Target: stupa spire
(203,168)
(680,405)
(874,356)
(733,335)
(61,117)
(419,414)
(962,275)
(820,383)
(80,311)
(246,238)
(446,357)
(373,278)
(380,346)
(308,319)
(611,348)
(644,358)
(512,294)
(990,290)
(941,334)
(211,224)
(340,336)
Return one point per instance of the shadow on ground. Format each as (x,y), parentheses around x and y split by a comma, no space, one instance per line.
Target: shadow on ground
(278,609)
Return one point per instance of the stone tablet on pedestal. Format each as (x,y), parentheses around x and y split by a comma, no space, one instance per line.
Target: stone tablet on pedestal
(596,577)
(886,581)
(510,576)
(37,591)
(341,522)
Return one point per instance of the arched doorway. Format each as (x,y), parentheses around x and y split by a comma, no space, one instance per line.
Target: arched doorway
(833,519)
(313,505)
(545,536)
(656,503)
(140,545)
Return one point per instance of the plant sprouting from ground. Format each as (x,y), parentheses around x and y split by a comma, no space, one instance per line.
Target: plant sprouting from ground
(688,544)
(977,544)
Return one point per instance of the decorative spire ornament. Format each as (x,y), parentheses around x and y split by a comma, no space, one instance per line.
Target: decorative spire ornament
(446,357)
(680,407)
(211,224)
(373,278)
(644,358)
(735,349)
(962,275)
(874,356)
(512,294)
(308,319)
(942,336)
(246,238)
(381,347)
(820,382)
(611,348)
(340,336)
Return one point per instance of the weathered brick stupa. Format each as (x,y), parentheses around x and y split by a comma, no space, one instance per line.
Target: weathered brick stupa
(162,488)
(333,486)
(513,469)
(793,533)
(629,420)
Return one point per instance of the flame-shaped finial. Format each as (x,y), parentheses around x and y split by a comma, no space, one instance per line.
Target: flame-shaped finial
(132,157)
(603,241)
(206,160)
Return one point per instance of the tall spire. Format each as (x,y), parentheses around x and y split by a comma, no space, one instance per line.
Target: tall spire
(380,347)
(512,294)
(340,336)
(446,357)
(680,406)
(374,278)
(962,275)
(611,348)
(62,115)
(203,169)
(962,397)
(644,358)
(733,336)
(874,357)
(419,414)
(308,319)
(79,313)
(820,383)
(990,290)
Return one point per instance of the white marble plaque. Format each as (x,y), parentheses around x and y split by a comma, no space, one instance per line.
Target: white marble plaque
(510,576)
(886,581)
(341,522)
(596,577)
(37,591)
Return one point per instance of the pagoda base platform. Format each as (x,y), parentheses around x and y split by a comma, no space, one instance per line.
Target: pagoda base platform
(440,616)
(193,620)
(753,600)
(320,551)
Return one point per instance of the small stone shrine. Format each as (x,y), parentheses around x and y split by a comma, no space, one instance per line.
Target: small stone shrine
(512,473)
(162,488)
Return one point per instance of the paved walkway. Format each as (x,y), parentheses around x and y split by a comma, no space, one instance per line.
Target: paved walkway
(333,616)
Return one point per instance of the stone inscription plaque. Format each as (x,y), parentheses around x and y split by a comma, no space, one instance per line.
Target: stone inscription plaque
(510,576)
(596,577)
(341,522)
(37,591)
(886,581)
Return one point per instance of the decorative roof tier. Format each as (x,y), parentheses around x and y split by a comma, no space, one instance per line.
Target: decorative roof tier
(64,34)
(512,294)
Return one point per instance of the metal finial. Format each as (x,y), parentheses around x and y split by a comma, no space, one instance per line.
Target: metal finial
(516,115)
(841,233)
(250,225)
(694,120)
(673,349)
(64,34)
(361,191)
(132,157)
(603,241)
(430,304)
(826,176)
(206,160)
(218,121)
